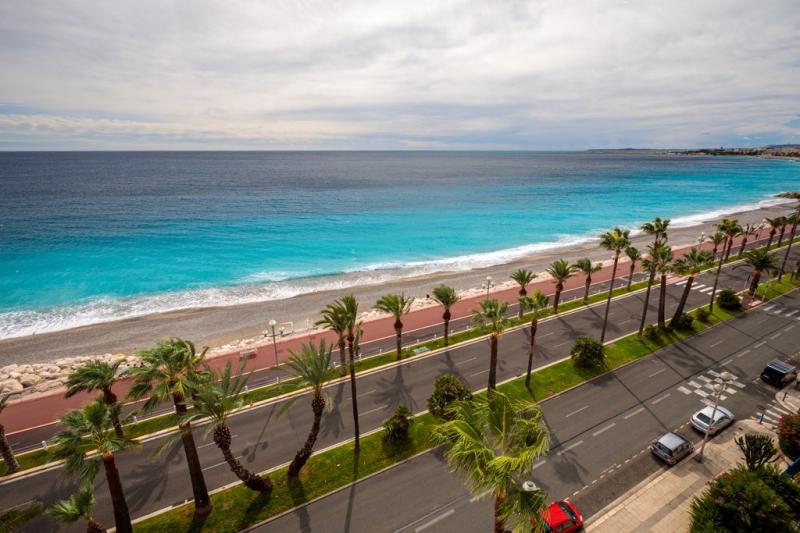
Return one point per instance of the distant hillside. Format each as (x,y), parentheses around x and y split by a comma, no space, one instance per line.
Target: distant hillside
(782,150)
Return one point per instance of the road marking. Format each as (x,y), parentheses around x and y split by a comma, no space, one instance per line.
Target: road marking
(737,384)
(701,392)
(773,413)
(706,379)
(772,338)
(435,520)
(562,344)
(770,308)
(717,343)
(467,360)
(682,282)
(684,390)
(540,463)
(707,290)
(599,431)
(760,344)
(219,464)
(743,353)
(657,372)
(481,372)
(373,410)
(577,411)
(571,446)
(365,393)
(212,443)
(667,395)
(791,313)
(633,413)
(545,335)
(699,286)
(482,494)
(787,328)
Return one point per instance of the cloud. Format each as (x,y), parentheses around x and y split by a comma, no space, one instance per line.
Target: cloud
(372,74)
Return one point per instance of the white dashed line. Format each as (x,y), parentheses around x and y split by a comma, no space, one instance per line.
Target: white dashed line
(667,395)
(435,520)
(787,328)
(717,343)
(373,410)
(599,431)
(577,411)
(657,372)
(772,338)
(633,413)
(479,373)
(571,446)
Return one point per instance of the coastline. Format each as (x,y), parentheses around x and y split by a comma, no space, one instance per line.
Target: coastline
(235,326)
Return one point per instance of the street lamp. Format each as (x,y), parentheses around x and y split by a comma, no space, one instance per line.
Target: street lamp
(529,486)
(488,285)
(272,324)
(702,238)
(726,378)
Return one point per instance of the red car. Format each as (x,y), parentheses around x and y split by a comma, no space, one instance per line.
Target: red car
(562,517)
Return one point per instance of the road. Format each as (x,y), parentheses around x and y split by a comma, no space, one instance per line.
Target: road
(263,440)
(595,428)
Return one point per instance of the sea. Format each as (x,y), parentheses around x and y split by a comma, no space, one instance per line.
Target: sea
(88,237)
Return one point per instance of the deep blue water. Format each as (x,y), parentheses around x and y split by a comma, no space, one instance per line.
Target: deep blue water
(86,237)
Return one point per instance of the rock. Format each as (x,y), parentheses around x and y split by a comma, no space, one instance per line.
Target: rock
(29,380)
(11,385)
(45,386)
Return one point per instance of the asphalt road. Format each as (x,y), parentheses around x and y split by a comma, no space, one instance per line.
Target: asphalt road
(602,426)
(263,440)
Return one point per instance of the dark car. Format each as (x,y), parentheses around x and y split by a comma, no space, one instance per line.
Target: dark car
(778,373)
(671,447)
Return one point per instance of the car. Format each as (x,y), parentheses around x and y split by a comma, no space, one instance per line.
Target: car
(778,373)
(671,447)
(562,517)
(701,420)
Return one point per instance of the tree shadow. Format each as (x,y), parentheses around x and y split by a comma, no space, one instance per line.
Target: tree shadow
(395,391)
(348,517)
(299,499)
(253,512)
(332,422)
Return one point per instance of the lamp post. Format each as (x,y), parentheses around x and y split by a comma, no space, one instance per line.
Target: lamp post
(702,238)
(488,285)
(726,378)
(272,324)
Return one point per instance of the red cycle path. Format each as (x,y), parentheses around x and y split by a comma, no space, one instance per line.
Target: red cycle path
(29,413)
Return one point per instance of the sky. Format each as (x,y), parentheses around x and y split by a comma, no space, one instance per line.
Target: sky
(372,75)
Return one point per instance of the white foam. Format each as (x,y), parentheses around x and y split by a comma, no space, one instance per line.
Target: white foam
(699,218)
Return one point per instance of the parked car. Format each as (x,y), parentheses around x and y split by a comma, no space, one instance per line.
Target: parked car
(778,373)
(671,447)
(562,517)
(701,420)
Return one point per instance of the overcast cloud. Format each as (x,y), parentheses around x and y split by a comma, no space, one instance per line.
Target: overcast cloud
(398,75)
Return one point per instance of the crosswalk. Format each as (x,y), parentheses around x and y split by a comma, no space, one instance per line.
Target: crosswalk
(699,287)
(703,386)
(771,415)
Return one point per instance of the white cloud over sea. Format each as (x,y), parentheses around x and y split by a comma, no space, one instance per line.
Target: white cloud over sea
(393,75)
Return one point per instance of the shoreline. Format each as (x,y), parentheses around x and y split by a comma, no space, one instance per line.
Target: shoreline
(230,327)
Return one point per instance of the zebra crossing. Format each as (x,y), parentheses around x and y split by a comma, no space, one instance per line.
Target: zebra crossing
(771,415)
(703,386)
(781,310)
(699,287)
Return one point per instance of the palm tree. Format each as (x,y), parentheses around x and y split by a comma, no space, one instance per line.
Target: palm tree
(215,399)
(716,239)
(78,506)
(90,429)
(727,229)
(523,277)
(658,229)
(747,230)
(785,221)
(760,260)
(12,465)
(794,218)
(560,271)
(659,261)
(348,307)
(587,268)
(774,224)
(171,369)
(447,297)
(493,443)
(535,303)
(615,240)
(97,375)
(634,255)
(492,314)
(690,265)
(312,366)
(333,319)
(396,305)
(731,228)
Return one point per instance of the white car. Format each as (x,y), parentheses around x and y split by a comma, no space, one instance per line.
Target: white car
(701,420)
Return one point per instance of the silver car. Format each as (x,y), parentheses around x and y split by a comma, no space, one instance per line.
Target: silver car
(671,447)
(701,420)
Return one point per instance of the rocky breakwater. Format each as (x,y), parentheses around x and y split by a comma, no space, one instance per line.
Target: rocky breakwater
(29,380)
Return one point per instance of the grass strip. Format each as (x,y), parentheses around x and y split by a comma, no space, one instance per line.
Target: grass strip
(238,507)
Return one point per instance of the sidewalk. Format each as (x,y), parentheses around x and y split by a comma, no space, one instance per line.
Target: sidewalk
(662,504)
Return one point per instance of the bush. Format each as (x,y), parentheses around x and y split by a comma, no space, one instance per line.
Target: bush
(703,315)
(739,500)
(757,449)
(397,426)
(651,333)
(588,353)
(784,486)
(446,390)
(684,322)
(789,435)
(729,300)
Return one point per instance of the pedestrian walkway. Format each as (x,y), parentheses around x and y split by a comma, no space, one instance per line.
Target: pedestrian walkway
(662,503)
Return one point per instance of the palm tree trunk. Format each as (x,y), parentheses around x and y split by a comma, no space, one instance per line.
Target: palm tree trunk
(499,521)
(780,237)
(647,299)
(608,300)
(111,400)
(754,282)
(122,518)
(662,302)
(714,290)
(534,327)
(12,465)
(630,274)
(93,526)
(684,297)
(788,250)
(743,246)
(586,289)
(222,438)
(728,247)
(354,401)
(771,236)
(557,297)
(522,292)
(398,330)
(492,362)
(317,406)
(446,318)
(202,501)
(342,359)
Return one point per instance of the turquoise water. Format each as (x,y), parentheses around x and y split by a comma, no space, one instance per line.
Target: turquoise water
(89,237)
